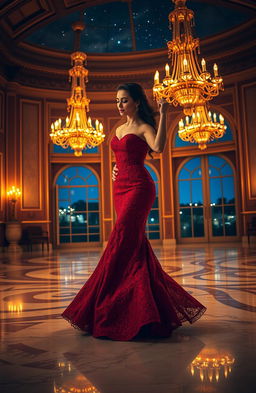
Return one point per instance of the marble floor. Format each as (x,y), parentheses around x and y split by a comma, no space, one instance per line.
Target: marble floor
(40,352)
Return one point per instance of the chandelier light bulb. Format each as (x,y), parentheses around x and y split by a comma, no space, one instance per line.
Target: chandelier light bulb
(156,77)
(167,70)
(185,65)
(221,119)
(203,63)
(215,70)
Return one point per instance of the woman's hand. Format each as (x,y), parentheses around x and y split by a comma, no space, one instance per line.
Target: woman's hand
(162,106)
(114,172)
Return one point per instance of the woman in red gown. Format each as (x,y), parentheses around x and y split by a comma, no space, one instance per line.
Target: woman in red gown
(129,293)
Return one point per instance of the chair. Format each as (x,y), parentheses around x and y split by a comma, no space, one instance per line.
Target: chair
(35,235)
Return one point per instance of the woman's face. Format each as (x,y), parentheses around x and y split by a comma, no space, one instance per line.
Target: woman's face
(125,104)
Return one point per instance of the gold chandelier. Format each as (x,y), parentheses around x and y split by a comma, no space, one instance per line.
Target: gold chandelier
(201,127)
(188,84)
(78,132)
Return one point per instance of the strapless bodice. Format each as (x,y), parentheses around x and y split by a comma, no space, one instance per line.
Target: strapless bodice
(129,150)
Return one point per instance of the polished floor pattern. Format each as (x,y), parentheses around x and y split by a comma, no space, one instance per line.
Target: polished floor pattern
(41,353)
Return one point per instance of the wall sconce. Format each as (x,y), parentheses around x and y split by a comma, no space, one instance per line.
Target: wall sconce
(13,195)
(13,226)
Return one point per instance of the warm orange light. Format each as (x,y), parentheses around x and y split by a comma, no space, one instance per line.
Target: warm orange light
(189,84)
(14,193)
(78,132)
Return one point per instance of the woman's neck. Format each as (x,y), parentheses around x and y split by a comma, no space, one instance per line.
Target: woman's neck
(132,120)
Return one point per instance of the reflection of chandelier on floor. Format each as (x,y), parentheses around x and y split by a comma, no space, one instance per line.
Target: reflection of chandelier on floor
(212,368)
(189,84)
(78,132)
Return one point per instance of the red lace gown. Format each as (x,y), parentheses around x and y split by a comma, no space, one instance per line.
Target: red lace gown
(129,292)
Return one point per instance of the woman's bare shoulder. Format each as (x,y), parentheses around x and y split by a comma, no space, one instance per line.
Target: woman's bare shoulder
(147,129)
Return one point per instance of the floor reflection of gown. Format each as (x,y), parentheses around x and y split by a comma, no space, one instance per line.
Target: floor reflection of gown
(129,289)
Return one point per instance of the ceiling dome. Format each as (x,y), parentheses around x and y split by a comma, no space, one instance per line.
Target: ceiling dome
(125,26)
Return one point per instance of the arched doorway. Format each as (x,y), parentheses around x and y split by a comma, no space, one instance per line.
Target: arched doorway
(206,200)
(77,206)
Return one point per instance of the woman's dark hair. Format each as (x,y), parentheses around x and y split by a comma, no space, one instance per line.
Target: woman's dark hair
(145,112)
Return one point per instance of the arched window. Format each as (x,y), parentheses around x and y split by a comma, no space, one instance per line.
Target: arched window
(78,206)
(206,198)
(153,224)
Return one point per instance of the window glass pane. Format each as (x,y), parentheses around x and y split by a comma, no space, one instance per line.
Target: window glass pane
(197,173)
(64,230)
(197,193)
(93,218)
(77,210)
(78,198)
(226,170)
(230,220)
(64,217)
(153,217)
(92,180)
(198,222)
(191,165)
(214,172)
(83,172)
(77,181)
(63,194)
(184,174)
(216,161)
(94,238)
(154,235)
(228,189)
(217,223)
(185,222)
(78,227)
(184,193)
(65,239)
(79,238)
(215,191)
(93,205)
(94,230)
(151,172)
(93,192)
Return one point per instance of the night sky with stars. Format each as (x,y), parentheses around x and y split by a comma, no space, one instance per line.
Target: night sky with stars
(108,27)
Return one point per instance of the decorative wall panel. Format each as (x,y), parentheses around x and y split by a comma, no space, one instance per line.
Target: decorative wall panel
(1,112)
(1,181)
(30,155)
(250,125)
